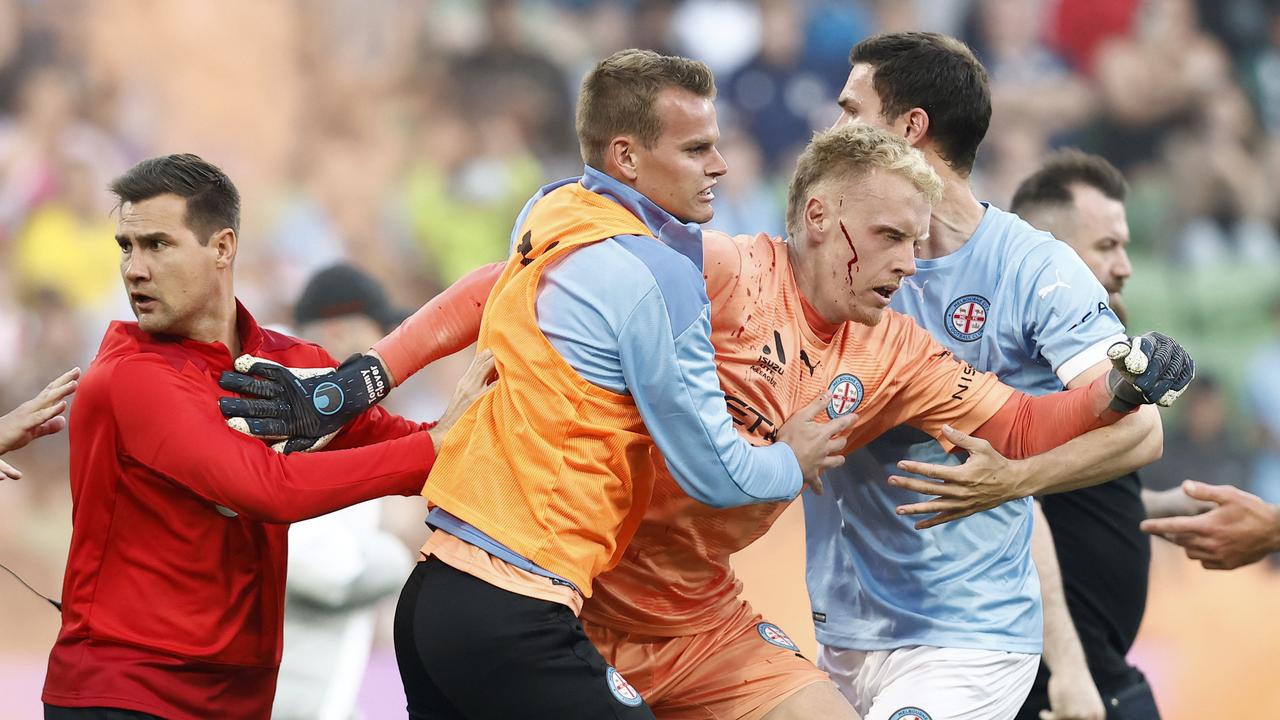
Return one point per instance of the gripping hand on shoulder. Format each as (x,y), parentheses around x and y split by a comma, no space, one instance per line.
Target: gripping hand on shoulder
(1148,369)
(302,407)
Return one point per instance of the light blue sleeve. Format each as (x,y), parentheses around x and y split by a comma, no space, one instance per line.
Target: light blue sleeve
(631,315)
(673,380)
(1071,325)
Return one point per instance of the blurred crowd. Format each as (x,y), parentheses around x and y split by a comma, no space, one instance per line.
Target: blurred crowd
(404,138)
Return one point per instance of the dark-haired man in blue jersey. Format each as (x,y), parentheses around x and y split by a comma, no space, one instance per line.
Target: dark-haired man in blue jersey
(942,618)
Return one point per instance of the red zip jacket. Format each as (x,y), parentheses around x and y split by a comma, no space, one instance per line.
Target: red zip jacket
(171,607)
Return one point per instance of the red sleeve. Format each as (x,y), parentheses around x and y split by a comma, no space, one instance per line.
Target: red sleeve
(448,323)
(375,425)
(170,423)
(1027,425)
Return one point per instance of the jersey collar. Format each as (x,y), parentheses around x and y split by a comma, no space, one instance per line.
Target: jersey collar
(684,238)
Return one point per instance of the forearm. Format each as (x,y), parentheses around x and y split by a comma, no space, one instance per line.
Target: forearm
(1030,425)
(1062,649)
(1104,454)
(176,431)
(447,324)
(271,487)
(375,425)
(677,392)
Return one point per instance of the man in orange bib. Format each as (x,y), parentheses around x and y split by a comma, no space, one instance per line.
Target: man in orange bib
(600,328)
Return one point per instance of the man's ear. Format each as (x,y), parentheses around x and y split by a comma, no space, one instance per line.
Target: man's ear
(620,159)
(816,218)
(225,244)
(916,122)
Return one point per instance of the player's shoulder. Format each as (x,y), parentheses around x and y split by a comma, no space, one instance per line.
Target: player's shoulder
(895,332)
(1036,254)
(631,266)
(294,352)
(730,261)
(1017,239)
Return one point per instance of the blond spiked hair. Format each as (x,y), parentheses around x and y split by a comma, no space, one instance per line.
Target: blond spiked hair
(852,152)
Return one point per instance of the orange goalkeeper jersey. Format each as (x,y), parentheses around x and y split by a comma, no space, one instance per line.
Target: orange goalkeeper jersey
(675,578)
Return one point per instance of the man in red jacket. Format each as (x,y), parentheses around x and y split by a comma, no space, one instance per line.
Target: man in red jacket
(174,589)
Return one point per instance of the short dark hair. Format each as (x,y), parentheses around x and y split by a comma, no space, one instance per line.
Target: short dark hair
(617,97)
(1051,184)
(213,203)
(938,74)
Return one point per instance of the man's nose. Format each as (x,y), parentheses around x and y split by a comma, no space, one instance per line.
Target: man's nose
(718,165)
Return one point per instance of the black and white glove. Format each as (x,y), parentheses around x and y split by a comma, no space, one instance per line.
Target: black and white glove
(1150,368)
(301,407)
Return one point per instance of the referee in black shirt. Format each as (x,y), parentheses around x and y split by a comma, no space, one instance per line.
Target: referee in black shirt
(1103,556)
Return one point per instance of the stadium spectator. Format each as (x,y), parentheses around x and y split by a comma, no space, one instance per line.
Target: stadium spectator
(1223,198)
(747,201)
(1151,80)
(37,417)
(1030,84)
(775,94)
(530,87)
(340,564)
(48,135)
(60,245)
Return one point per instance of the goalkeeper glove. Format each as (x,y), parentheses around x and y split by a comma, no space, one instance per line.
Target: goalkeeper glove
(303,407)
(1150,368)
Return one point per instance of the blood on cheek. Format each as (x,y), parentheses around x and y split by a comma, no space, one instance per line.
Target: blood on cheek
(854,260)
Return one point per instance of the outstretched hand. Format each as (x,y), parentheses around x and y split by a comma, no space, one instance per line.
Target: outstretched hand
(1242,529)
(35,418)
(986,479)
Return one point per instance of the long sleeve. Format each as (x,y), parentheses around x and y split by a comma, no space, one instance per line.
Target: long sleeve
(174,428)
(632,316)
(448,323)
(674,382)
(1028,425)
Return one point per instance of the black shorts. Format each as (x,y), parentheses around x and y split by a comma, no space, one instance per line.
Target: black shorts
(468,649)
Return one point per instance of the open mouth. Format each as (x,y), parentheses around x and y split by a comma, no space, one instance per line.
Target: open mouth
(142,302)
(707,195)
(886,291)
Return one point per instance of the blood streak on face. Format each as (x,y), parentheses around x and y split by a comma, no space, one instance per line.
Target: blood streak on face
(853,261)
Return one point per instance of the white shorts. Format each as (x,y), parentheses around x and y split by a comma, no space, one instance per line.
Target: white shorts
(930,683)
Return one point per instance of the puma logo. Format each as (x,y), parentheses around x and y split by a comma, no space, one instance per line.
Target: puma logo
(1044,291)
(804,358)
(918,288)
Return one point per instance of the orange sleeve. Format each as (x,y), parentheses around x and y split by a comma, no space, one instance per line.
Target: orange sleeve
(938,389)
(448,323)
(1026,425)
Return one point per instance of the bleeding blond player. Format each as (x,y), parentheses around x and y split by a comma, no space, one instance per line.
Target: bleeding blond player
(792,319)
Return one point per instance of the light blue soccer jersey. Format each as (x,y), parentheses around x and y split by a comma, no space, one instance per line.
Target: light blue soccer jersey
(1013,301)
